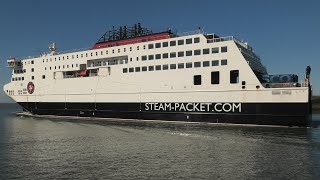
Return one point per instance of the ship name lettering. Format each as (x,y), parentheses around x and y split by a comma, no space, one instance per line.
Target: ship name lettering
(216,107)
(188,107)
(194,107)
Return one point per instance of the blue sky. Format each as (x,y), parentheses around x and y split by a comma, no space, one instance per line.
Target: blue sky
(284,33)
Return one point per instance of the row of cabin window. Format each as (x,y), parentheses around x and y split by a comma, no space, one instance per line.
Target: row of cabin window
(175,66)
(10,92)
(22,78)
(108,62)
(81,55)
(174,43)
(157,45)
(25,62)
(184,53)
(59,67)
(215,78)
(19,71)
(18,79)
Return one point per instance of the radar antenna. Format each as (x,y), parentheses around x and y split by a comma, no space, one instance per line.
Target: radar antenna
(53,48)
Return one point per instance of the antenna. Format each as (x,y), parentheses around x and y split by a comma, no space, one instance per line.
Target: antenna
(53,48)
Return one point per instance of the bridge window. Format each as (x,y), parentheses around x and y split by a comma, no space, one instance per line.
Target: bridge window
(234,76)
(224,49)
(158,45)
(181,42)
(158,56)
(125,70)
(131,69)
(197,80)
(165,55)
(151,57)
(165,67)
(215,77)
(150,46)
(137,69)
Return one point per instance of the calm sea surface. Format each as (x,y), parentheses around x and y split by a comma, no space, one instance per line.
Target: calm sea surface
(59,149)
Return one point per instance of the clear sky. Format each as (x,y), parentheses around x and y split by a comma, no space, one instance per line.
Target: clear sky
(284,33)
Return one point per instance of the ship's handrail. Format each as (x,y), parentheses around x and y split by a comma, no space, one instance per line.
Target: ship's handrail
(49,55)
(73,50)
(188,33)
(229,38)
(220,39)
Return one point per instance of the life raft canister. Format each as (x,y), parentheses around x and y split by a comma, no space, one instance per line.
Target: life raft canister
(30,87)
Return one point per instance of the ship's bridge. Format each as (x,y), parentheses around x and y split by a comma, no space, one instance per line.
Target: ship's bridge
(14,62)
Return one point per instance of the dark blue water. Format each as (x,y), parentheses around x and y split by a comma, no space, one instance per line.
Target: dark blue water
(58,149)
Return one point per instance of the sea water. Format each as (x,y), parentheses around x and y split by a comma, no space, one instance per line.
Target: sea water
(62,149)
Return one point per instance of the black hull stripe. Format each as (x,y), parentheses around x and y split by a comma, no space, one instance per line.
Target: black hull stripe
(288,114)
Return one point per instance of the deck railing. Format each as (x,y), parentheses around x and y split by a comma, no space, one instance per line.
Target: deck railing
(188,33)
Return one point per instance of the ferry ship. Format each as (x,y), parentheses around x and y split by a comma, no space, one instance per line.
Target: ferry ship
(134,73)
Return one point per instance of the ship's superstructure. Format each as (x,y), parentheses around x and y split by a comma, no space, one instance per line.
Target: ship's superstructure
(137,74)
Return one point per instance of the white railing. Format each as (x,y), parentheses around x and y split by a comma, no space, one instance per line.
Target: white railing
(221,39)
(189,33)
